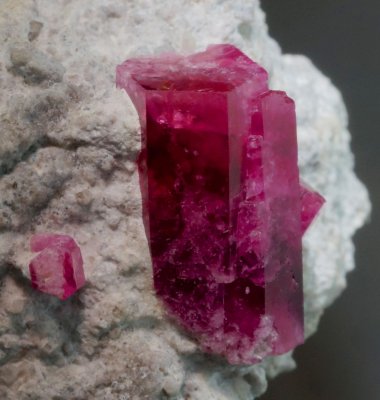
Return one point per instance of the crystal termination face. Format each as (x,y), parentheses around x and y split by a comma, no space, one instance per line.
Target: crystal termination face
(58,268)
(223,208)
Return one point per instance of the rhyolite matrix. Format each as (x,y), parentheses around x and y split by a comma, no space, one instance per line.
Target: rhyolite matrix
(223,208)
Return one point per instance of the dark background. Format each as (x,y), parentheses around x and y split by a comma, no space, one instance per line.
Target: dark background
(342,37)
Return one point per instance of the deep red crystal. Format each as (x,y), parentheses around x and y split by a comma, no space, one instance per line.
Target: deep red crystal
(58,268)
(223,208)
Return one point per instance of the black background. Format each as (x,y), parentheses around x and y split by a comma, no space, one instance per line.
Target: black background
(342,37)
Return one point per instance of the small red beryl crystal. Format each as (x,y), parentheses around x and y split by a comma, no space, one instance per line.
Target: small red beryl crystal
(223,208)
(58,268)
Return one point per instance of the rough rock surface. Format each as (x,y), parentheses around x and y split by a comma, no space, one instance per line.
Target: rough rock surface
(68,142)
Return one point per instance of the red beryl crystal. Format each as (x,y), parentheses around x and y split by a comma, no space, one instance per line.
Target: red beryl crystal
(58,268)
(223,208)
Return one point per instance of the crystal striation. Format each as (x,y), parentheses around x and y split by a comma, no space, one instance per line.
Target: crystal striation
(223,208)
(58,268)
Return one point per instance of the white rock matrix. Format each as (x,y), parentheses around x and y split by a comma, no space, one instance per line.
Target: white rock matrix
(68,142)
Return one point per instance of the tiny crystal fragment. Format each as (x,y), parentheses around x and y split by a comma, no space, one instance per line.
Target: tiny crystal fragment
(223,208)
(58,268)
(311,203)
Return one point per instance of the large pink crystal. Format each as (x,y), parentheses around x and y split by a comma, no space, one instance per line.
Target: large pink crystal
(222,204)
(58,268)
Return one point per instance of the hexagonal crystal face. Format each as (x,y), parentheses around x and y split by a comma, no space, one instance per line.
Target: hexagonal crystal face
(222,205)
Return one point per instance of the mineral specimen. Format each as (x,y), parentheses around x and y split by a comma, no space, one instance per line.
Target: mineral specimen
(58,268)
(223,208)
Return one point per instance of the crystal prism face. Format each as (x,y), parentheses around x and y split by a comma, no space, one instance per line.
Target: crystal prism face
(223,208)
(58,268)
